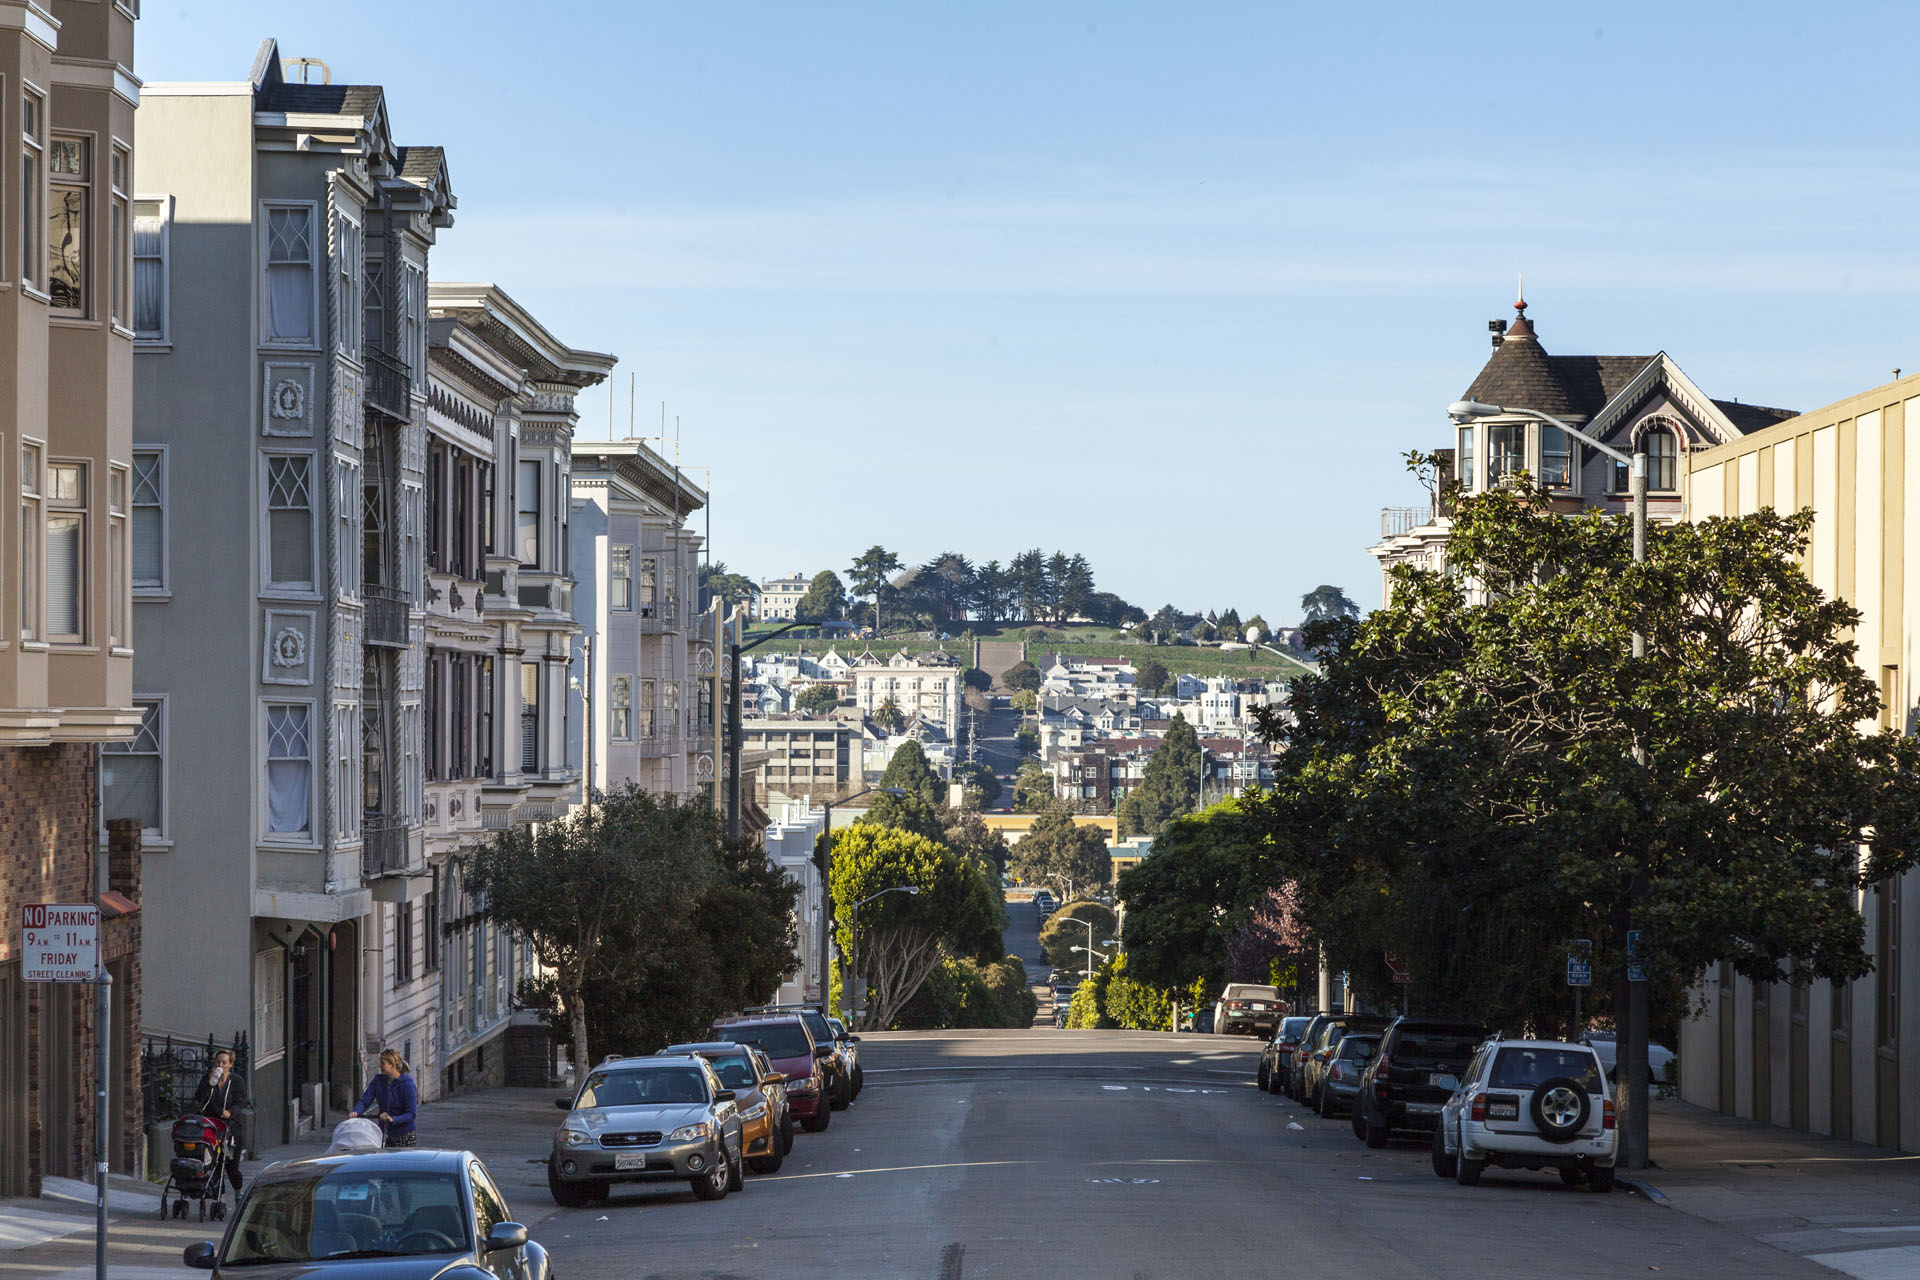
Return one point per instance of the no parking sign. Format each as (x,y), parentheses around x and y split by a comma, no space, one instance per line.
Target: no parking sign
(59,942)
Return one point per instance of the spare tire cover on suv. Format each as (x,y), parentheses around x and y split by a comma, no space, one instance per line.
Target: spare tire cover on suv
(1559,1108)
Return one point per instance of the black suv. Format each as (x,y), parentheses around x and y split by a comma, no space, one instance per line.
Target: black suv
(1417,1067)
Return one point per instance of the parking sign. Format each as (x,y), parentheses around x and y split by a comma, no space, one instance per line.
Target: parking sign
(59,942)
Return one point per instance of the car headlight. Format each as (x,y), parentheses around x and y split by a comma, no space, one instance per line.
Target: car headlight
(754,1112)
(575,1138)
(690,1132)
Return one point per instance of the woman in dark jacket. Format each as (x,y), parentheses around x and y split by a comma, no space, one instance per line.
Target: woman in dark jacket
(392,1099)
(223,1095)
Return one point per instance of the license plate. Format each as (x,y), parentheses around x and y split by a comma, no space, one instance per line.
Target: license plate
(1504,1111)
(629,1161)
(1440,1080)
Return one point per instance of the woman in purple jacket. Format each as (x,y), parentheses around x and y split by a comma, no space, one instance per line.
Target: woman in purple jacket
(392,1099)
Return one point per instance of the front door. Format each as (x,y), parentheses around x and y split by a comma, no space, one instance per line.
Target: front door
(303,1066)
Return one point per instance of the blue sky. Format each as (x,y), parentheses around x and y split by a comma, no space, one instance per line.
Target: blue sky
(1173,286)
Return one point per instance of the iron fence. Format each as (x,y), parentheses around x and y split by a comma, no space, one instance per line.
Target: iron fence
(171,1070)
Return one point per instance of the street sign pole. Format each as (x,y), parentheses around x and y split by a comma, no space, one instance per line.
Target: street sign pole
(1579,977)
(102,1048)
(60,942)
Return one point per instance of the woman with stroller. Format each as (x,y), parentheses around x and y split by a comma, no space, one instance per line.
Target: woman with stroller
(392,1099)
(222,1095)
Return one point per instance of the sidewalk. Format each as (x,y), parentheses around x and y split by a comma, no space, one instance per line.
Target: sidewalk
(1846,1205)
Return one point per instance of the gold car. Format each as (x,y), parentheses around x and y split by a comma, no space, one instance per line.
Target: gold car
(766,1132)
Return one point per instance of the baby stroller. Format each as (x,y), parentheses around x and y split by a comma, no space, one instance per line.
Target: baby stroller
(202,1146)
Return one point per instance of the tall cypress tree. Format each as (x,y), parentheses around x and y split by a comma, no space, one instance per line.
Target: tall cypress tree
(1170,786)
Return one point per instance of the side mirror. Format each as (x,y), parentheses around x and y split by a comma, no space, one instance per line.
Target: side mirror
(565,1104)
(201,1256)
(823,1051)
(725,1095)
(505,1235)
(854,1039)
(773,1077)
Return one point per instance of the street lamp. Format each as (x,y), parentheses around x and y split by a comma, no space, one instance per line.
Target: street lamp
(1633,1038)
(1066,880)
(1094,951)
(824,860)
(1089,926)
(855,998)
(734,650)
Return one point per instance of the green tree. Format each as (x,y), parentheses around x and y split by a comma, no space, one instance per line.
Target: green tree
(975,678)
(1164,624)
(1022,676)
(1027,739)
(1025,700)
(825,600)
(946,582)
(983,785)
(870,576)
(570,887)
(991,592)
(1133,1005)
(1151,677)
(1027,582)
(817,699)
(955,913)
(1060,934)
(909,812)
(1057,845)
(1327,604)
(1188,899)
(1230,625)
(1169,786)
(889,716)
(909,770)
(970,837)
(716,581)
(1032,788)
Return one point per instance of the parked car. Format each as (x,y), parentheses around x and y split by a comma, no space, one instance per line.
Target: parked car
(1276,1056)
(647,1119)
(420,1212)
(1607,1045)
(1342,1081)
(1296,1064)
(1529,1104)
(849,1045)
(1418,1067)
(775,1089)
(1246,1008)
(784,1038)
(761,1117)
(839,1066)
(1319,1050)
(1203,1022)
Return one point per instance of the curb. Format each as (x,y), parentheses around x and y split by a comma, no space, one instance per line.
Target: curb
(1646,1189)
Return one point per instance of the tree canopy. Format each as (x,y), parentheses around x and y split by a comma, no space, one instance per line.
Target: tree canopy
(909,770)
(717,582)
(1327,604)
(1062,933)
(1169,785)
(1032,788)
(1057,845)
(1189,898)
(825,600)
(870,575)
(817,699)
(1151,676)
(1021,676)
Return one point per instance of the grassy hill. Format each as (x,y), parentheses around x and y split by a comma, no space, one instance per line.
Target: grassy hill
(1074,641)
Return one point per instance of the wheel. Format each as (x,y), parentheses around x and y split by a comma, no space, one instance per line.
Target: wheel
(1466,1171)
(1326,1105)
(1358,1131)
(1265,1079)
(568,1195)
(818,1121)
(771,1162)
(714,1184)
(219,1210)
(1442,1162)
(1599,1179)
(736,1175)
(1570,1176)
(859,1080)
(840,1096)
(786,1134)
(1560,1108)
(1375,1135)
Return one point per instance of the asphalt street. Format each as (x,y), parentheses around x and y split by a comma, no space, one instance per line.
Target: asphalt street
(1036,1153)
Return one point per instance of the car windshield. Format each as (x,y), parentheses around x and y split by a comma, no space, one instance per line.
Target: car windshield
(339,1212)
(1435,1046)
(643,1088)
(1521,1068)
(735,1071)
(779,1039)
(1256,993)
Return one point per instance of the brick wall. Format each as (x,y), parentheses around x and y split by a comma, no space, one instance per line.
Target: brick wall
(47,851)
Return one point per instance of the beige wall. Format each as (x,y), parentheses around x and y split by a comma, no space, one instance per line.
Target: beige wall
(1854,463)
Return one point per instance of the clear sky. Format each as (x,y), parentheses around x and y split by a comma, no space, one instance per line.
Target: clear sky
(1172,285)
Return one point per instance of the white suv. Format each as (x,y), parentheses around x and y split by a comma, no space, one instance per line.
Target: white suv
(1529,1104)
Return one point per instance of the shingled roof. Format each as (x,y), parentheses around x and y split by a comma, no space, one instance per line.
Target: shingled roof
(421,164)
(1521,374)
(324,99)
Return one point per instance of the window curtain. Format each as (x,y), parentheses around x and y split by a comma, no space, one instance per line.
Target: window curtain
(287,796)
(149,270)
(290,301)
(63,575)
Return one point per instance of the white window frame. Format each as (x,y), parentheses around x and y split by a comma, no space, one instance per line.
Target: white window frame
(620,708)
(163,336)
(348,280)
(267,339)
(161,589)
(620,584)
(309,838)
(31,203)
(520,497)
(80,508)
(119,554)
(32,559)
(290,590)
(154,837)
(269,1005)
(120,236)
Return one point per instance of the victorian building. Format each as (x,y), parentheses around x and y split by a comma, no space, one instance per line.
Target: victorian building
(500,395)
(1626,401)
(280,473)
(68,318)
(653,690)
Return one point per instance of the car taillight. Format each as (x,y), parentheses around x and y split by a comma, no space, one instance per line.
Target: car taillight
(1380,1079)
(1606,1114)
(1479,1112)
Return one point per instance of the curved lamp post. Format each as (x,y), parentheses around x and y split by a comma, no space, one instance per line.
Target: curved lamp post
(1633,1031)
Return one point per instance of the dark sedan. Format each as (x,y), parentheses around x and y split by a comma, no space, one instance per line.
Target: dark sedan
(420,1213)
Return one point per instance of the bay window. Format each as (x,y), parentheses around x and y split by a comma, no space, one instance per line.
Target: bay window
(1556,458)
(1506,450)
(289,769)
(68,195)
(33,122)
(527,516)
(66,581)
(32,525)
(290,521)
(287,308)
(1465,455)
